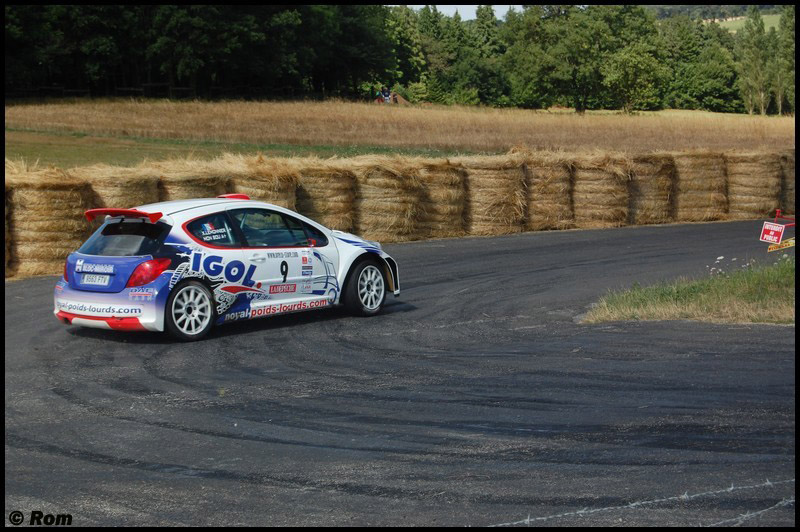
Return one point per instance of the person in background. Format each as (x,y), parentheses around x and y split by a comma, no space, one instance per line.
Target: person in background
(387,94)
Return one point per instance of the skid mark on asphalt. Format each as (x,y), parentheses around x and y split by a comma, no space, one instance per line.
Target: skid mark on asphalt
(487,319)
(677,498)
(736,521)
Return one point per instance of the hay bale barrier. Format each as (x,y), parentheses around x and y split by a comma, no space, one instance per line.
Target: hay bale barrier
(46,220)
(497,193)
(549,191)
(186,179)
(443,203)
(8,231)
(119,187)
(701,186)
(273,180)
(326,192)
(787,182)
(651,189)
(600,194)
(754,184)
(388,198)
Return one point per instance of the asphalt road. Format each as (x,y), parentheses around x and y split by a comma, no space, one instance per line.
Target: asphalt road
(475,399)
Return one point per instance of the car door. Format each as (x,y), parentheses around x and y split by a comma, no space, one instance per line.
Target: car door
(276,249)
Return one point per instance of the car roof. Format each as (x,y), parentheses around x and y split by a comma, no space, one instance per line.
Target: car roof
(173,207)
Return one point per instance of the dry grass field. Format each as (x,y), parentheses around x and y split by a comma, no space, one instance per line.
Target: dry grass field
(443,129)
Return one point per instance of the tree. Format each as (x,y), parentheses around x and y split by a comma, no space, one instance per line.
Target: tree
(634,75)
(754,82)
(784,67)
(581,45)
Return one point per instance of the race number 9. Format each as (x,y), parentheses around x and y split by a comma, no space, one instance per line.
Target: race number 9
(284,270)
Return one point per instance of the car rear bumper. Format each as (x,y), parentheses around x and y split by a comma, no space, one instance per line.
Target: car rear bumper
(137,309)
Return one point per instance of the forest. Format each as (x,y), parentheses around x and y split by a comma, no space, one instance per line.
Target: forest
(622,57)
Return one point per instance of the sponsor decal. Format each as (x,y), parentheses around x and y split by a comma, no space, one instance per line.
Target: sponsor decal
(307,268)
(305,287)
(307,273)
(83,267)
(142,294)
(282,288)
(97,309)
(269,310)
(239,315)
(282,255)
(234,271)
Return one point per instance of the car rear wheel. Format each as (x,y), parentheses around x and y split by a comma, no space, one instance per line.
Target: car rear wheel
(190,311)
(366,289)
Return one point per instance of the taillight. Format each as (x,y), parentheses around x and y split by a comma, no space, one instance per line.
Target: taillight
(148,271)
(66,264)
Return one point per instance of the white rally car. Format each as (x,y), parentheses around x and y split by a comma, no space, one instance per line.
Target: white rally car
(184,266)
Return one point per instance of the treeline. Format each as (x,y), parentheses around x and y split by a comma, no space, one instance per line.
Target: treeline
(585,57)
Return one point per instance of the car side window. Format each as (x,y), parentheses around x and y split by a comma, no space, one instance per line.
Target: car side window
(265,228)
(214,229)
(317,235)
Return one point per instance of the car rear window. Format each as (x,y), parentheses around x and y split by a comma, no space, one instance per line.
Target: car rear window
(125,239)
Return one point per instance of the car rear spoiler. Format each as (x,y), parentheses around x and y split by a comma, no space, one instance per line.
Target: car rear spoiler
(91,214)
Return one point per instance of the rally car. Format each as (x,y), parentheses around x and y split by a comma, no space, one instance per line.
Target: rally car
(185,266)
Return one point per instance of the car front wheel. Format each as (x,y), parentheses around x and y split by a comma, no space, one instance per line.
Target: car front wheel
(366,290)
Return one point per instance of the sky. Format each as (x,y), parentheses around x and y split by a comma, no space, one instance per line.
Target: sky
(467,12)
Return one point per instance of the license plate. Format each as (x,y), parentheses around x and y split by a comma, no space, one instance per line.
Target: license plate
(99,280)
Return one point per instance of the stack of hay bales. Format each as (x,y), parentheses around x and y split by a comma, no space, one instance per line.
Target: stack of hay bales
(186,179)
(326,192)
(387,198)
(701,188)
(497,194)
(754,184)
(118,187)
(8,232)
(651,190)
(787,182)
(549,191)
(444,198)
(600,193)
(47,221)
(272,180)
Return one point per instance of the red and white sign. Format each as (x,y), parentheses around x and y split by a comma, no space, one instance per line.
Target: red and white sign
(772,233)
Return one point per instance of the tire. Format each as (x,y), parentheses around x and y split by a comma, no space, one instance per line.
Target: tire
(190,311)
(365,290)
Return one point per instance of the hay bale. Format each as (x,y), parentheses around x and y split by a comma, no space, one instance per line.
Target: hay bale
(787,182)
(497,195)
(600,193)
(46,219)
(8,232)
(186,179)
(442,208)
(273,180)
(754,184)
(119,187)
(549,191)
(387,198)
(651,189)
(701,188)
(326,192)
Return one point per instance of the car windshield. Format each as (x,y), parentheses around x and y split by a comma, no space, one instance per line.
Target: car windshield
(125,239)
